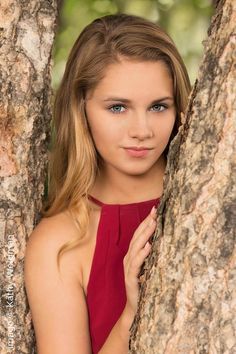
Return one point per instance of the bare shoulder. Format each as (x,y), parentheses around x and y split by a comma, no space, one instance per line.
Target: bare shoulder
(57,301)
(60,227)
(49,235)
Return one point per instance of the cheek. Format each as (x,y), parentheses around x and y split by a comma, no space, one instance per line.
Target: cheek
(95,128)
(104,129)
(104,134)
(164,129)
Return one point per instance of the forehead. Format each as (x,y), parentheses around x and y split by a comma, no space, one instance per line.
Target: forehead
(141,77)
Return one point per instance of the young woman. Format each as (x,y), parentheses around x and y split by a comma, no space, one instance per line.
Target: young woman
(116,111)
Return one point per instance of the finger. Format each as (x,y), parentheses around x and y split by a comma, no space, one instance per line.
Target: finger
(145,223)
(136,263)
(140,241)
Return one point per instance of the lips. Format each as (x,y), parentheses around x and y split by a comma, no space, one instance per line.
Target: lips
(138,148)
(136,151)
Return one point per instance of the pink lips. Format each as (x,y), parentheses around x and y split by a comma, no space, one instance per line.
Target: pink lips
(137,151)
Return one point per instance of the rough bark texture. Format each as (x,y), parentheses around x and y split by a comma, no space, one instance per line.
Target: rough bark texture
(26,33)
(188,295)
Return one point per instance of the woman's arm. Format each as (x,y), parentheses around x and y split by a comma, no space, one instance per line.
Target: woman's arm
(57,302)
(118,340)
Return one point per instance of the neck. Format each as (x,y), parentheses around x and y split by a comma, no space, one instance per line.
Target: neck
(112,186)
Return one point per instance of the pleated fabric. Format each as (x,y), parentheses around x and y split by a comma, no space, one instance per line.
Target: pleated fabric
(106,295)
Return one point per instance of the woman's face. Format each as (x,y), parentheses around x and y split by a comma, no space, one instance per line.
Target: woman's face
(131,114)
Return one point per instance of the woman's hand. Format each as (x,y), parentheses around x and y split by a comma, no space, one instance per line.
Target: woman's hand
(139,249)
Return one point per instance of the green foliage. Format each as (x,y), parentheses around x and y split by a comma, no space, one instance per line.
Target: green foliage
(185,20)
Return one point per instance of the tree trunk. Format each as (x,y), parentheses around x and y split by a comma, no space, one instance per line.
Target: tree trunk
(26,33)
(188,292)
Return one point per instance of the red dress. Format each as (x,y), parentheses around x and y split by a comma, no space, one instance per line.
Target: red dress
(106,295)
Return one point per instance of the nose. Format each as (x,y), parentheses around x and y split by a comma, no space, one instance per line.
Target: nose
(139,127)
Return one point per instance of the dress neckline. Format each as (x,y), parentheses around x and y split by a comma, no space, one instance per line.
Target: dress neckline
(98,202)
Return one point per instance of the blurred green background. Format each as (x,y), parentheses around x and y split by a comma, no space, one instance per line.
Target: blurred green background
(186,21)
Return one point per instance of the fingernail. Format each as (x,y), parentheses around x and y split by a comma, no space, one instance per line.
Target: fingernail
(153,211)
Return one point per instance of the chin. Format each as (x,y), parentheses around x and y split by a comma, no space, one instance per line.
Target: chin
(136,170)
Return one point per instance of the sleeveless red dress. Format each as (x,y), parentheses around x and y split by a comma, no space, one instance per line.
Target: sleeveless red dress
(106,295)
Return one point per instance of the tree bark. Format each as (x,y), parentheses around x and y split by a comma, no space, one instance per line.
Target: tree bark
(27,31)
(188,292)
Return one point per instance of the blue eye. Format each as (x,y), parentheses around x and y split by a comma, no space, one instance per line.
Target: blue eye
(161,107)
(115,110)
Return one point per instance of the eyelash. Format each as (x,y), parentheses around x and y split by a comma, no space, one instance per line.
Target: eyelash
(121,105)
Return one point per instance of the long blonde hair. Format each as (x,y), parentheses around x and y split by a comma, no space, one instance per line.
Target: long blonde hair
(74,162)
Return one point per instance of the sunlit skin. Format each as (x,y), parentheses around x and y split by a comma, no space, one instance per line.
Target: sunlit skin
(132,107)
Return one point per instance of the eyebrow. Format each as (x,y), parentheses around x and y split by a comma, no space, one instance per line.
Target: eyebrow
(120,99)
